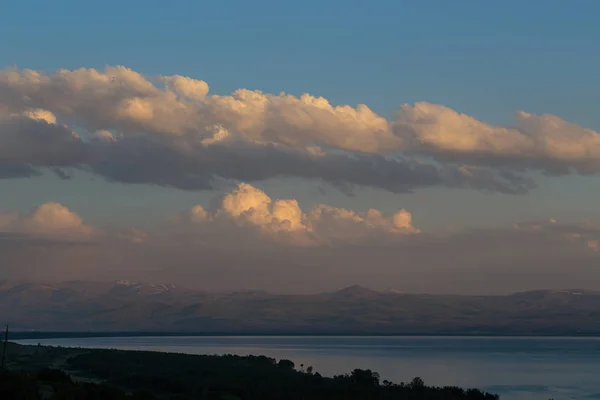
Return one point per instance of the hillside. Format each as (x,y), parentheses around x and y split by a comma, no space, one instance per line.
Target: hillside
(134,306)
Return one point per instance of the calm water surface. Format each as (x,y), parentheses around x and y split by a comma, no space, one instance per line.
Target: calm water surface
(515,368)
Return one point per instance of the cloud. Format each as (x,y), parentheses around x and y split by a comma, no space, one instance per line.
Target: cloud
(247,213)
(250,240)
(91,98)
(245,217)
(103,136)
(218,252)
(41,115)
(148,151)
(302,121)
(168,130)
(50,220)
(544,142)
(32,140)
(12,170)
(191,165)
(192,88)
(248,210)
(53,223)
(122,99)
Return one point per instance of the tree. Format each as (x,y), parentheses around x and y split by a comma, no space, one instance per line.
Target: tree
(365,377)
(286,364)
(417,383)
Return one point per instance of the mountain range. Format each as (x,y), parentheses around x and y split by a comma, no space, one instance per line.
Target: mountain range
(84,306)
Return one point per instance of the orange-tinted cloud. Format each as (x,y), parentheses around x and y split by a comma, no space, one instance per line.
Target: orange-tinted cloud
(48,220)
(249,209)
(129,120)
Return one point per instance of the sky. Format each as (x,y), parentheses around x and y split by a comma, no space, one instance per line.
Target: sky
(302,146)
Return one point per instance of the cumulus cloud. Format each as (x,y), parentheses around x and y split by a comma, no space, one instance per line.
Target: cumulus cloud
(526,256)
(248,235)
(120,98)
(192,88)
(32,140)
(168,130)
(169,136)
(249,210)
(42,115)
(302,121)
(103,136)
(54,223)
(91,97)
(51,220)
(543,142)
(191,164)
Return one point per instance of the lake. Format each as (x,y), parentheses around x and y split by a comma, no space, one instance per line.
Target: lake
(515,368)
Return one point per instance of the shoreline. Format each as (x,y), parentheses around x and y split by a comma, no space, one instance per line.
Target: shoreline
(226,376)
(539,389)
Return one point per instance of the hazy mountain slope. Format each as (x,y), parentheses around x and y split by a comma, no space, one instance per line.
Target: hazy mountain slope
(102,306)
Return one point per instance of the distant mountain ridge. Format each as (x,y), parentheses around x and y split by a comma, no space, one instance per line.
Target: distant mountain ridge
(138,306)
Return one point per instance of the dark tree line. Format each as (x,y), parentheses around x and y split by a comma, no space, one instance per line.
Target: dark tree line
(53,384)
(137,375)
(230,377)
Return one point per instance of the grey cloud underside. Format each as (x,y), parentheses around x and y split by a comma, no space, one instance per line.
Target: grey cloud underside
(29,141)
(515,164)
(28,144)
(139,160)
(13,171)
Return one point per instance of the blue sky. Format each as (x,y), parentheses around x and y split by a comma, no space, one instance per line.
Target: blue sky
(487,59)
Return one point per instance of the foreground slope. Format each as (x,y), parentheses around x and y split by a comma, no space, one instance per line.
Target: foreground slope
(134,375)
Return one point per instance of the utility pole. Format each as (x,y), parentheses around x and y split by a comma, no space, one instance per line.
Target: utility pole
(4,348)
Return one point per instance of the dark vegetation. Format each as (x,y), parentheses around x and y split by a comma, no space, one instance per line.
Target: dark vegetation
(136,375)
(54,384)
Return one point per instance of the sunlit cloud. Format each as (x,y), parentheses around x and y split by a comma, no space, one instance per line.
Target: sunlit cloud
(541,142)
(48,220)
(128,122)
(249,210)
(248,236)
